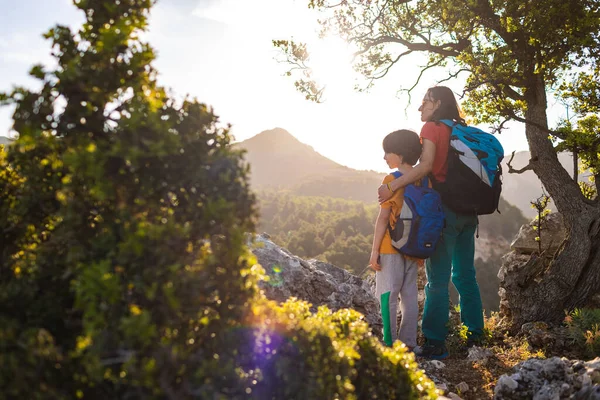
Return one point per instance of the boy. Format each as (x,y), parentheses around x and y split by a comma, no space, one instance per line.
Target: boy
(396,274)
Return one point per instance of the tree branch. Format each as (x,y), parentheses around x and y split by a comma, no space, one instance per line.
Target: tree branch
(409,91)
(446,49)
(453,75)
(491,20)
(512,93)
(512,115)
(387,69)
(500,127)
(511,170)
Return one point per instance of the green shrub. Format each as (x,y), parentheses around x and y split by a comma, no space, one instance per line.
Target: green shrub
(123,220)
(124,269)
(584,330)
(328,355)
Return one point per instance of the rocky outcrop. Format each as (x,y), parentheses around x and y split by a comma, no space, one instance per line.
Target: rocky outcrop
(554,378)
(552,235)
(525,265)
(317,282)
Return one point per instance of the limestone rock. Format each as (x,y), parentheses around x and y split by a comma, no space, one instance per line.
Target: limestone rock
(317,282)
(479,354)
(506,384)
(462,387)
(553,233)
(441,386)
(554,378)
(437,364)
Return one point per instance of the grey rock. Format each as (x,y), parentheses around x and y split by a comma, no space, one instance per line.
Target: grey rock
(462,387)
(594,364)
(585,380)
(505,386)
(437,364)
(316,282)
(551,379)
(553,233)
(441,386)
(550,392)
(477,353)
(588,393)
(565,389)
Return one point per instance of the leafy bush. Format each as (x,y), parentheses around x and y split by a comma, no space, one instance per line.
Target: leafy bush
(124,270)
(584,330)
(123,247)
(328,355)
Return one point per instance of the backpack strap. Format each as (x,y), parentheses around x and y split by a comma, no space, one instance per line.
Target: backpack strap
(397,174)
(423,183)
(448,122)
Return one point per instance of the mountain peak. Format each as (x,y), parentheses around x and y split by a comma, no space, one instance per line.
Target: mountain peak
(278,159)
(276,135)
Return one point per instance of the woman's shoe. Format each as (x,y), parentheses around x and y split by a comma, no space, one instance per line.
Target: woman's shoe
(432,351)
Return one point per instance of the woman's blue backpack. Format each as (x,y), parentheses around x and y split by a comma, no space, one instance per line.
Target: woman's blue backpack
(473,181)
(420,222)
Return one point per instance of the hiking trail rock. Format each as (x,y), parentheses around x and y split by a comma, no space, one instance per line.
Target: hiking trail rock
(554,378)
(553,234)
(316,282)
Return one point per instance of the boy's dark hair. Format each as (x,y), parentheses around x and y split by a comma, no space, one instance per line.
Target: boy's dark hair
(449,108)
(404,143)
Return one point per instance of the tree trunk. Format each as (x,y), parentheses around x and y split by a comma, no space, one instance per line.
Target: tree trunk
(571,276)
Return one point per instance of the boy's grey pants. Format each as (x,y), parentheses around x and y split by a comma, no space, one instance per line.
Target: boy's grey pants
(398,277)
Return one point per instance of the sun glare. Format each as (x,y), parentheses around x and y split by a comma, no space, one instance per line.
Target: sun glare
(330,61)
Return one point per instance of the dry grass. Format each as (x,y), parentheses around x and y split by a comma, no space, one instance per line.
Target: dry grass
(481,376)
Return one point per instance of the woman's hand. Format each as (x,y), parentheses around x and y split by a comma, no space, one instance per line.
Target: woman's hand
(383,193)
(374,261)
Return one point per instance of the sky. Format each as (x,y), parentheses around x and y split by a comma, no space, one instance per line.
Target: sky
(220,52)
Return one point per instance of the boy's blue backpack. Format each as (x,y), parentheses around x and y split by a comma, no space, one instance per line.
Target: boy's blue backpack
(473,182)
(421,220)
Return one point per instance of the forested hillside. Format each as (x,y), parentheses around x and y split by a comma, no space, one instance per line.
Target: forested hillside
(340,231)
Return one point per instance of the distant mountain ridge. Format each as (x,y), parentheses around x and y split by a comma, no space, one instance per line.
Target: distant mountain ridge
(278,160)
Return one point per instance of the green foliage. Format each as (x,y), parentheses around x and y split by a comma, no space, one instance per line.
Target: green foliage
(124,269)
(313,90)
(458,333)
(589,192)
(329,355)
(503,47)
(583,140)
(540,205)
(584,330)
(123,225)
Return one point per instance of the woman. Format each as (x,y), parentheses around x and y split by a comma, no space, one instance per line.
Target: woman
(455,253)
